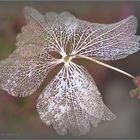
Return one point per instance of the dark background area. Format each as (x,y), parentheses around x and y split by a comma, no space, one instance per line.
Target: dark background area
(18,116)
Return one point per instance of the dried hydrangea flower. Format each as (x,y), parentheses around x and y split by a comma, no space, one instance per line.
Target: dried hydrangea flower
(71,101)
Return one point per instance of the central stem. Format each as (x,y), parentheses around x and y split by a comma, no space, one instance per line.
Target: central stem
(106,65)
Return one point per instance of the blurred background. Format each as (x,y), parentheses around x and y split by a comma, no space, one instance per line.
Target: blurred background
(18,116)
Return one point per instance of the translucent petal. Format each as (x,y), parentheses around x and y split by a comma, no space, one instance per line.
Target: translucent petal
(50,17)
(88,96)
(94,121)
(60,30)
(51,31)
(32,34)
(106,42)
(71,101)
(63,112)
(33,15)
(22,76)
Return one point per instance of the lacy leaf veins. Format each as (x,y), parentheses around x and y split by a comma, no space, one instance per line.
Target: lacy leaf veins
(71,102)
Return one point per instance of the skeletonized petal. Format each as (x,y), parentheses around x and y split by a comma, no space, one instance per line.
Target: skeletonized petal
(22,76)
(32,34)
(88,96)
(50,17)
(72,101)
(51,30)
(107,42)
(33,15)
(60,29)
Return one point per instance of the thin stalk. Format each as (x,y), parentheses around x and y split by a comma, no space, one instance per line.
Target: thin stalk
(106,65)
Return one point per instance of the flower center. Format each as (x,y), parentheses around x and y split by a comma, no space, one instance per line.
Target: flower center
(67,58)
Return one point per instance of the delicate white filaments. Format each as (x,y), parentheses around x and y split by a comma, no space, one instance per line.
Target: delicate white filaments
(71,101)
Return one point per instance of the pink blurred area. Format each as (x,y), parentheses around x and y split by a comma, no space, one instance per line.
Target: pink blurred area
(18,116)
